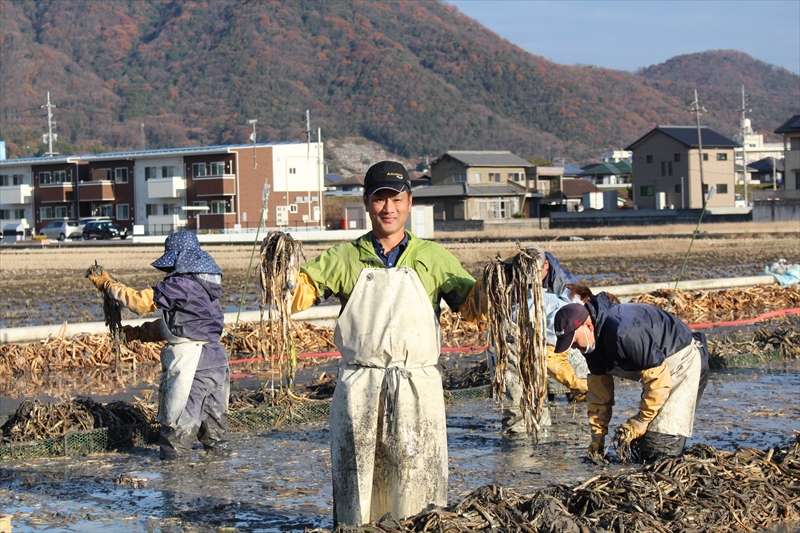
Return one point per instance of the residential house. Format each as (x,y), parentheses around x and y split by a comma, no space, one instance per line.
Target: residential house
(667,170)
(209,188)
(477,185)
(791,149)
(612,174)
(767,170)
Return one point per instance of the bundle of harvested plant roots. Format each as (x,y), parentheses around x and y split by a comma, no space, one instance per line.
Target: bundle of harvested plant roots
(280,258)
(627,450)
(112,313)
(508,285)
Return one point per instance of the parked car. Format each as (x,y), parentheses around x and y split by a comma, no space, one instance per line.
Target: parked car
(104,229)
(61,229)
(85,220)
(738,201)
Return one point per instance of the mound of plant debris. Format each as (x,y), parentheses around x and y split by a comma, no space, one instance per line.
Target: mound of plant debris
(703,490)
(38,421)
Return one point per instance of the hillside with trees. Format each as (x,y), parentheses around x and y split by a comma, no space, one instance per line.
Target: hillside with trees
(417,77)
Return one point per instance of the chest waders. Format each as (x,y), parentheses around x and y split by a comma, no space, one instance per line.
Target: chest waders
(667,433)
(387,421)
(179,358)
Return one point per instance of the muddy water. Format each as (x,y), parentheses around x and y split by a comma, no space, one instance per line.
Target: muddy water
(280,480)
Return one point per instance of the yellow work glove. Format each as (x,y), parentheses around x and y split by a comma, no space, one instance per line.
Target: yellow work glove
(601,402)
(632,429)
(147,332)
(101,280)
(657,384)
(305,293)
(558,368)
(140,302)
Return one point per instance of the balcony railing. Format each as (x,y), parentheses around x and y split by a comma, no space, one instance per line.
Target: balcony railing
(16,194)
(55,193)
(174,187)
(216,185)
(96,191)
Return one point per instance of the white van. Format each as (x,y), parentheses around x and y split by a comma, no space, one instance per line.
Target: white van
(738,201)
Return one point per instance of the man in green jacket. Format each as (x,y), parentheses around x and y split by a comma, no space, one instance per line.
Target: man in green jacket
(387,420)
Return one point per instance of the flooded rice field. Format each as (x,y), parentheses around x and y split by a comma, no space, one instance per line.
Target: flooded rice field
(279,480)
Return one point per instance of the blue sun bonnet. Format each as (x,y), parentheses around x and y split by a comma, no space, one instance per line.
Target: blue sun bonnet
(182,255)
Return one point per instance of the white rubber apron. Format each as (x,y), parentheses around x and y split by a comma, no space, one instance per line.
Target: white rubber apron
(388,433)
(676,417)
(179,358)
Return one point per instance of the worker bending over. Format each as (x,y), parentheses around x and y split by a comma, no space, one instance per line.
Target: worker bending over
(643,343)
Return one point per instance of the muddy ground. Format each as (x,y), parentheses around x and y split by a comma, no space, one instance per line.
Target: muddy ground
(46,285)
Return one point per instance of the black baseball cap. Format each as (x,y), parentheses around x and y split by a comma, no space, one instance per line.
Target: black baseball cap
(386,175)
(568,319)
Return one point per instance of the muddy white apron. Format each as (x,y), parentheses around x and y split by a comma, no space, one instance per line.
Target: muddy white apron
(676,417)
(388,433)
(179,358)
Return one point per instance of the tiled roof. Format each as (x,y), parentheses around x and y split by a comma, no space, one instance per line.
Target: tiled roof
(687,135)
(466,190)
(765,165)
(485,159)
(574,188)
(791,125)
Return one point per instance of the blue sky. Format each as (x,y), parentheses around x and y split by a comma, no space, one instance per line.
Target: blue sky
(627,35)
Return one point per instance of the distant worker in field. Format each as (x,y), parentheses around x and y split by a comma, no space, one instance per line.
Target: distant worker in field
(387,420)
(193,394)
(643,343)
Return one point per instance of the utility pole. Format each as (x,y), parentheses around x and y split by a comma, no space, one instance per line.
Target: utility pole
(253,138)
(744,110)
(141,131)
(308,127)
(49,137)
(696,108)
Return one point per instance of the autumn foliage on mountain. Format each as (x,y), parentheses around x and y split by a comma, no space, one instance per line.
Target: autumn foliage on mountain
(415,76)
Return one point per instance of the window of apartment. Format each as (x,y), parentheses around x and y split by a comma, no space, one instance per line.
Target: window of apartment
(649,159)
(200,203)
(293,208)
(150,173)
(217,168)
(476,177)
(516,176)
(646,190)
(198,170)
(8,214)
(460,177)
(123,211)
(151,209)
(61,212)
(167,172)
(705,157)
(494,176)
(46,212)
(794,143)
(102,174)
(218,206)
(676,158)
(292,170)
(12,179)
(45,178)
(678,187)
(669,168)
(170,209)
(797,180)
(60,176)
(722,157)
(105,210)
(121,175)
(722,188)
(5,214)
(663,168)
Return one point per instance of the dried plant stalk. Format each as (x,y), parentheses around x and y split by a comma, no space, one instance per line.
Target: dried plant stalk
(508,284)
(112,314)
(280,258)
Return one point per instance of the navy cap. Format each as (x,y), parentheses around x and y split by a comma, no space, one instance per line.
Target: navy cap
(386,175)
(567,320)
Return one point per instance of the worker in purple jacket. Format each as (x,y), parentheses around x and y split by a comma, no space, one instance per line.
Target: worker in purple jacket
(195,383)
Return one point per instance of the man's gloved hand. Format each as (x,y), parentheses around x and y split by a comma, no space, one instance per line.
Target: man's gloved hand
(632,429)
(147,332)
(101,280)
